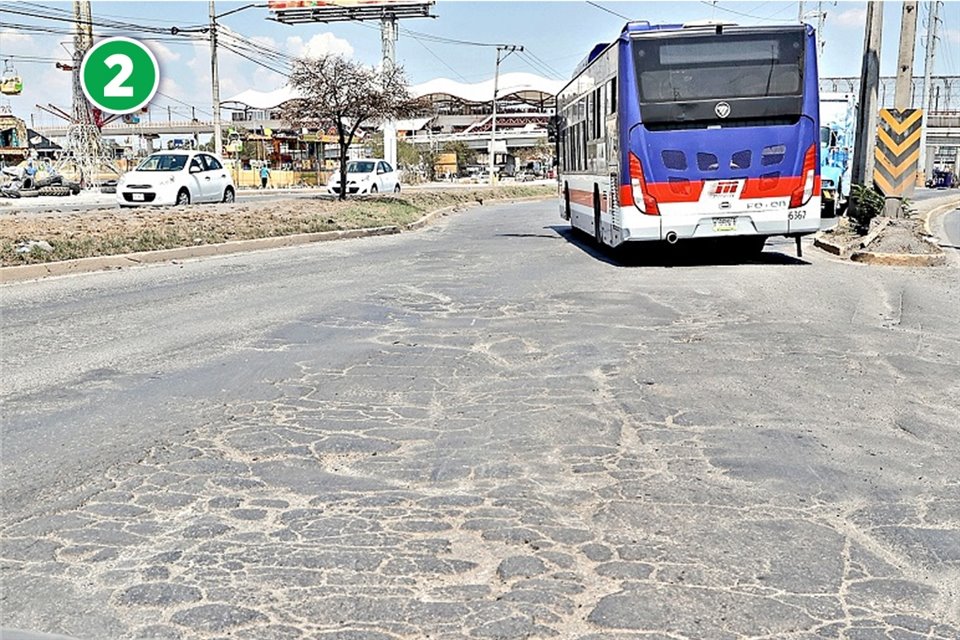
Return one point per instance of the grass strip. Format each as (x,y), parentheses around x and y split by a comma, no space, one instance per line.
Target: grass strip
(113,231)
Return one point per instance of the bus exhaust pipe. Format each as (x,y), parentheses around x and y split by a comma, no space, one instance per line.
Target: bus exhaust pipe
(671,237)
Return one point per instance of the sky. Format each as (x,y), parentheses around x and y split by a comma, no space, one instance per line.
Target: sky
(555,35)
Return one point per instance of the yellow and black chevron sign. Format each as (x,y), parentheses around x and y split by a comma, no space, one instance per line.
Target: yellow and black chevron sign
(897,152)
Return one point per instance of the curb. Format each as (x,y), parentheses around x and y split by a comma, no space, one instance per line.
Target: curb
(852,250)
(21,273)
(899,259)
(834,248)
(841,250)
(935,213)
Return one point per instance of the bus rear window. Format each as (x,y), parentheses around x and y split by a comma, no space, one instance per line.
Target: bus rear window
(719,67)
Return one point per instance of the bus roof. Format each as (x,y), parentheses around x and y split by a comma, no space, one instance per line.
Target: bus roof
(637,27)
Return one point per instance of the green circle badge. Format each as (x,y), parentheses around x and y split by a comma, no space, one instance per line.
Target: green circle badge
(119,75)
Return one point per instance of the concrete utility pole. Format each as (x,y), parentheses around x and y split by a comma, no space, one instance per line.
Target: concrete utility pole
(933,17)
(215,82)
(866,135)
(908,42)
(496,79)
(821,19)
(388,36)
(902,91)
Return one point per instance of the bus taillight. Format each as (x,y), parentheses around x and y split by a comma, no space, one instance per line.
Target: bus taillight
(637,192)
(801,195)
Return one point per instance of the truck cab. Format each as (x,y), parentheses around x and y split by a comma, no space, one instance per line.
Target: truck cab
(838,116)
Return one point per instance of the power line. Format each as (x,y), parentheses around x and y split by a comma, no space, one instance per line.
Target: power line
(542,62)
(15,56)
(108,24)
(444,40)
(105,15)
(442,61)
(619,15)
(714,5)
(259,63)
(186,104)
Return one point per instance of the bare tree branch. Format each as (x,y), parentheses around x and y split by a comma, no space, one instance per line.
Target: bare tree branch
(347,95)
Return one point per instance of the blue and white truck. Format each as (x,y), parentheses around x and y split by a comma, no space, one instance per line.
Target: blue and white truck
(838,121)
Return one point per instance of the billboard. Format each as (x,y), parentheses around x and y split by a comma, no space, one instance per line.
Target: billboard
(279,5)
(299,11)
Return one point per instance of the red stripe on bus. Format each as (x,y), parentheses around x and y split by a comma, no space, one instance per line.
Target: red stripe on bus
(781,187)
(672,192)
(676,191)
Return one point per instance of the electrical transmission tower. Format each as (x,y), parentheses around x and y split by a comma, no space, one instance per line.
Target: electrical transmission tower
(84,146)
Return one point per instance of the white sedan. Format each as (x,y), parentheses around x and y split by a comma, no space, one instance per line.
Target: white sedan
(367,176)
(176,177)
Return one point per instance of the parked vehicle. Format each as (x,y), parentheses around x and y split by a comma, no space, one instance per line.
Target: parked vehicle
(176,177)
(941,179)
(838,121)
(366,177)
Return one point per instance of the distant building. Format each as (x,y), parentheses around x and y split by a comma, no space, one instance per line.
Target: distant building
(463,111)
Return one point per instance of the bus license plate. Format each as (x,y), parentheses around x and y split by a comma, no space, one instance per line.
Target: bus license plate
(139,196)
(724,224)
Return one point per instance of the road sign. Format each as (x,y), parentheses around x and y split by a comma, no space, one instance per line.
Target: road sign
(119,75)
(898,150)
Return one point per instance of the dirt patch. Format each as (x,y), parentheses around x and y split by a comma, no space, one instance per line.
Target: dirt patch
(843,233)
(902,236)
(886,236)
(104,232)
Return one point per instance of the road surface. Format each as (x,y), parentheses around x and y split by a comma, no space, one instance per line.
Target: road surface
(951,228)
(485,429)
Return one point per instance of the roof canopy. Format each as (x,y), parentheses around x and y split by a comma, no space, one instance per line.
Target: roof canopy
(526,87)
(253,99)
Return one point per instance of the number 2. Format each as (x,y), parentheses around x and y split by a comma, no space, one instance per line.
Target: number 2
(115,88)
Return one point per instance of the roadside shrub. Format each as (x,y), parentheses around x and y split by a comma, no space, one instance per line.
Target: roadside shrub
(867,203)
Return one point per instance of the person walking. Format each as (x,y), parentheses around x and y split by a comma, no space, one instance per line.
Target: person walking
(264,176)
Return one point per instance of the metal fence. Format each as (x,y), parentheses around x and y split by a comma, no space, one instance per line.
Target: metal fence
(946,91)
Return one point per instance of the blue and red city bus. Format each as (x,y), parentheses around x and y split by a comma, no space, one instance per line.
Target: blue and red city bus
(693,131)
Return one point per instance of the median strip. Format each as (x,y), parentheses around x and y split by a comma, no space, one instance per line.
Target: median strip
(102,239)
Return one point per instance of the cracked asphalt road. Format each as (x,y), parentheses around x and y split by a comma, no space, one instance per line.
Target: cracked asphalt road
(483,430)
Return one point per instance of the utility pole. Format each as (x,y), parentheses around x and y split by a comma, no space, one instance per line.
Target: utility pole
(821,19)
(215,82)
(933,16)
(908,41)
(388,37)
(901,96)
(509,48)
(866,135)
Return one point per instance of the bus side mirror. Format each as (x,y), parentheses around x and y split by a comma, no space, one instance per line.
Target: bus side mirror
(552,126)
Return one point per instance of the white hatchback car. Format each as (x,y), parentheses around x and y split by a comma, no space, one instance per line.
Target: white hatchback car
(366,176)
(176,177)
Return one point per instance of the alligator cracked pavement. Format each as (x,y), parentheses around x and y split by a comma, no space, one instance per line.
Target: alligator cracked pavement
(483,430)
